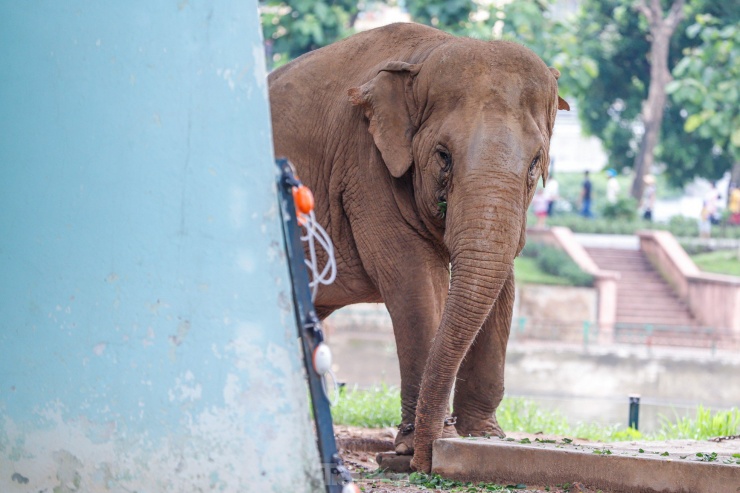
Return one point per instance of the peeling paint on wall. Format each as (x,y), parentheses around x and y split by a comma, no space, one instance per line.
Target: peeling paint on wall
(147,341)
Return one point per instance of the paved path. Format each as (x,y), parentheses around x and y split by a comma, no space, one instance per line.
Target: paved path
(624,242)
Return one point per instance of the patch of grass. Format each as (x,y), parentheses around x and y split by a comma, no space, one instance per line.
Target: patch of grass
(705,424)
(381,406)
(527,271)
(720,262)
(437,482)
(373,408)
(519,414)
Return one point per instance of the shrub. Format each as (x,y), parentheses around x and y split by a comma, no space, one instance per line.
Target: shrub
(624,209)
(557,263)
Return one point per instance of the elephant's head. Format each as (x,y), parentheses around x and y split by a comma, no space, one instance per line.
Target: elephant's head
(472,122)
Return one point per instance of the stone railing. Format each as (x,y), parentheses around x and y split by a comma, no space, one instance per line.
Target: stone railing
(713,299)
(605,281)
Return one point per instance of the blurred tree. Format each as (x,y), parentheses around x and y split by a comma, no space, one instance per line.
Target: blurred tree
(661,29)
(610,104)
(292,28)
(451,16)
(555,41)
(706,84)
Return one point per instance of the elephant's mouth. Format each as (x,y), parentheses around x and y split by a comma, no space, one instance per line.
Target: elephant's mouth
(442,206)
(444,184)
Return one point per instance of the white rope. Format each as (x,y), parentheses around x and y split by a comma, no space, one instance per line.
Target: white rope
(335,384)
(316,234)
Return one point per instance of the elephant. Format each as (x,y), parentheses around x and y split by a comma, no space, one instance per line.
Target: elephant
(424,151)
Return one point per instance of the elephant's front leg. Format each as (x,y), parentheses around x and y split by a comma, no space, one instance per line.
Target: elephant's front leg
(415,303)
(479,387)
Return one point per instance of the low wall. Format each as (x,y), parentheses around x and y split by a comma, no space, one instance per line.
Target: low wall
(714,299)
(554,312)
(605,282)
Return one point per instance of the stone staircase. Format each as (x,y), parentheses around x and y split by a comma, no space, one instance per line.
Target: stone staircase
(647,307)
(643,297)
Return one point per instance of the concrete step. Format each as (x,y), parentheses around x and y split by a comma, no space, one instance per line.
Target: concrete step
(613,467)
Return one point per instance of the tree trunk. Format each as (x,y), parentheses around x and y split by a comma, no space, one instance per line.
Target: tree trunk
(735,174)
(661,30)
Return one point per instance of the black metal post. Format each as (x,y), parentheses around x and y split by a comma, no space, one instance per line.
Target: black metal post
(634,417)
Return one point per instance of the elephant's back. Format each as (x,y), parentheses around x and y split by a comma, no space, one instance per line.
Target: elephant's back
(311,91)
(351,59)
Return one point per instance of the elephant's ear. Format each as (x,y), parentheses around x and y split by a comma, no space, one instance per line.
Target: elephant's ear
(389,105)
(562,103)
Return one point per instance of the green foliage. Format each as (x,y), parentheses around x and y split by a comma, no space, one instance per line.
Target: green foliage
(454,16)
(624,209)
(720,262)
(679,226)
(292,28)
(614,37)
(704,425)
(526,271)
(381,406)
(706,83)
(373,408)
(556,262)
(437,482)
(518,414)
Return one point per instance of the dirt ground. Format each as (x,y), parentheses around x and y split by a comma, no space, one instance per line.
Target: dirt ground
(359,446)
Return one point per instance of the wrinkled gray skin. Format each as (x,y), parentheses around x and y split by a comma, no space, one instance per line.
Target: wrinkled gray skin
(382,127)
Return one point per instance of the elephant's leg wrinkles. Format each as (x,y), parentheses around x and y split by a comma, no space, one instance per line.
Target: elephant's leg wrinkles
(415,302)
(480,380)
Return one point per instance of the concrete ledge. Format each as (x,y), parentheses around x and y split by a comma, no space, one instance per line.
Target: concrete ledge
(501,461)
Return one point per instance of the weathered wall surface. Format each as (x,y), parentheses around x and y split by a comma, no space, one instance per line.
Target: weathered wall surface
(146,339)
(554,312)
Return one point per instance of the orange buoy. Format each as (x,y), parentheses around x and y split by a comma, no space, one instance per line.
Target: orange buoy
(303,199)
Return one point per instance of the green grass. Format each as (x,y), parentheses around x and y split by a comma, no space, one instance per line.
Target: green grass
(527,271)
(720,262)
(704,425)
(381,407)
(374,408)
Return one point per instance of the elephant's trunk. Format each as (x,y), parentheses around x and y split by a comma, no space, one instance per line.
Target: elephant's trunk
(483,235)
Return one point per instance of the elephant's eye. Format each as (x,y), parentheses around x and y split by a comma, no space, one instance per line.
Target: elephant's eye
(533,166)
(446,159)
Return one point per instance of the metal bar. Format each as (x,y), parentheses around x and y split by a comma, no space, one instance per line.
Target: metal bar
(309,328)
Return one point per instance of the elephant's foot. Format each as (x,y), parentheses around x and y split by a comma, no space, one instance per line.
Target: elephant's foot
(487,427)
(404,443)
(405,438)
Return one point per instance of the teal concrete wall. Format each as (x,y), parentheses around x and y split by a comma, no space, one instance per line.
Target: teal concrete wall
(147,341)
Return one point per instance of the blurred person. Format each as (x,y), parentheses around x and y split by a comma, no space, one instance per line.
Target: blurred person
(705,222)
(586,196)
(552,193)
(648,198)
(539,205)
(712,203)
(612,186)
(734,205)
